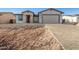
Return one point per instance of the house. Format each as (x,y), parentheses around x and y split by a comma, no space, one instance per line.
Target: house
(71,18)
(77,16)
(49,16)
(7,17)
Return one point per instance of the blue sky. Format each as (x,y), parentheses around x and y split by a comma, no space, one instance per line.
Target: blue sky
(36,10)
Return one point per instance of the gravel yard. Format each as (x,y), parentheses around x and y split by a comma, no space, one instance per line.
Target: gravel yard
(68,35)
(27,37)
(16,36)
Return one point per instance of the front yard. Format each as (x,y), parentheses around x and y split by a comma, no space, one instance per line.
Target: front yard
(68,35)
(27,37)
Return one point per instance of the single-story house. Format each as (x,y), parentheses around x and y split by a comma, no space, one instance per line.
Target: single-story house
(77,16)
(71,18)
(49,16)
(7,17)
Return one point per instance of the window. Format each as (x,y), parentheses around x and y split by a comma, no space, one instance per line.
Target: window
(20,17)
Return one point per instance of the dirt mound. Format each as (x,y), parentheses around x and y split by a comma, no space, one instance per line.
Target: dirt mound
(27,37)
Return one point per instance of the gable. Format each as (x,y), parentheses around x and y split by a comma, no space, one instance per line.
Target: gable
(28,12)
(51,11)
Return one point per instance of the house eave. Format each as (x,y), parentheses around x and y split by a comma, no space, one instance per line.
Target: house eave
(51,9)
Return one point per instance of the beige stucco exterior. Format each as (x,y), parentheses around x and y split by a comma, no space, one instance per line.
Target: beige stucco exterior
(25,16)
(5,17)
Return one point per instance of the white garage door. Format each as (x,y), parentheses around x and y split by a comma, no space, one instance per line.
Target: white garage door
(50,19)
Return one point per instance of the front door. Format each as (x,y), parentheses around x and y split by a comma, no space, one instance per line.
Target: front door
(28,19)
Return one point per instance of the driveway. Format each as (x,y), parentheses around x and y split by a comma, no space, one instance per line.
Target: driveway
(68,35)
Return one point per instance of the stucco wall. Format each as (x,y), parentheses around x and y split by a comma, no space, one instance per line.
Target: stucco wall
(25,17)
(6,17)
(40,18)
(61,18)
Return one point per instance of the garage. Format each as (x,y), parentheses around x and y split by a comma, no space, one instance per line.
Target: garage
(51,19)
(50,16)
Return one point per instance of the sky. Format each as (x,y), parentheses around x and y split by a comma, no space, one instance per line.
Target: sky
(67,11)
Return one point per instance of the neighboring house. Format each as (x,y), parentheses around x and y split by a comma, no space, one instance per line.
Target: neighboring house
(7,17)
(71,18)
(49,16)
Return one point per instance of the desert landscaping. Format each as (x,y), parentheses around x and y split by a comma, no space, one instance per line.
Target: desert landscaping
(39,37)
(27,37)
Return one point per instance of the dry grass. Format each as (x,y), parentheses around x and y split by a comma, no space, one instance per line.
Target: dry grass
(27,37)
(68,35)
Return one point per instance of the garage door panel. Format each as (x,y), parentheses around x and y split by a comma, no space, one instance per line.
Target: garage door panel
(50,19)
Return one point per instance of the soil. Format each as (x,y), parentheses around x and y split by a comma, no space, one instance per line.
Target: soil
(27,37)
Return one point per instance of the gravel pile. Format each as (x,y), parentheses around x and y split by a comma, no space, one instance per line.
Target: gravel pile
(27,37)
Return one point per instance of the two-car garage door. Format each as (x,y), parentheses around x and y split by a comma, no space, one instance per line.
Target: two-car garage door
(50,19)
